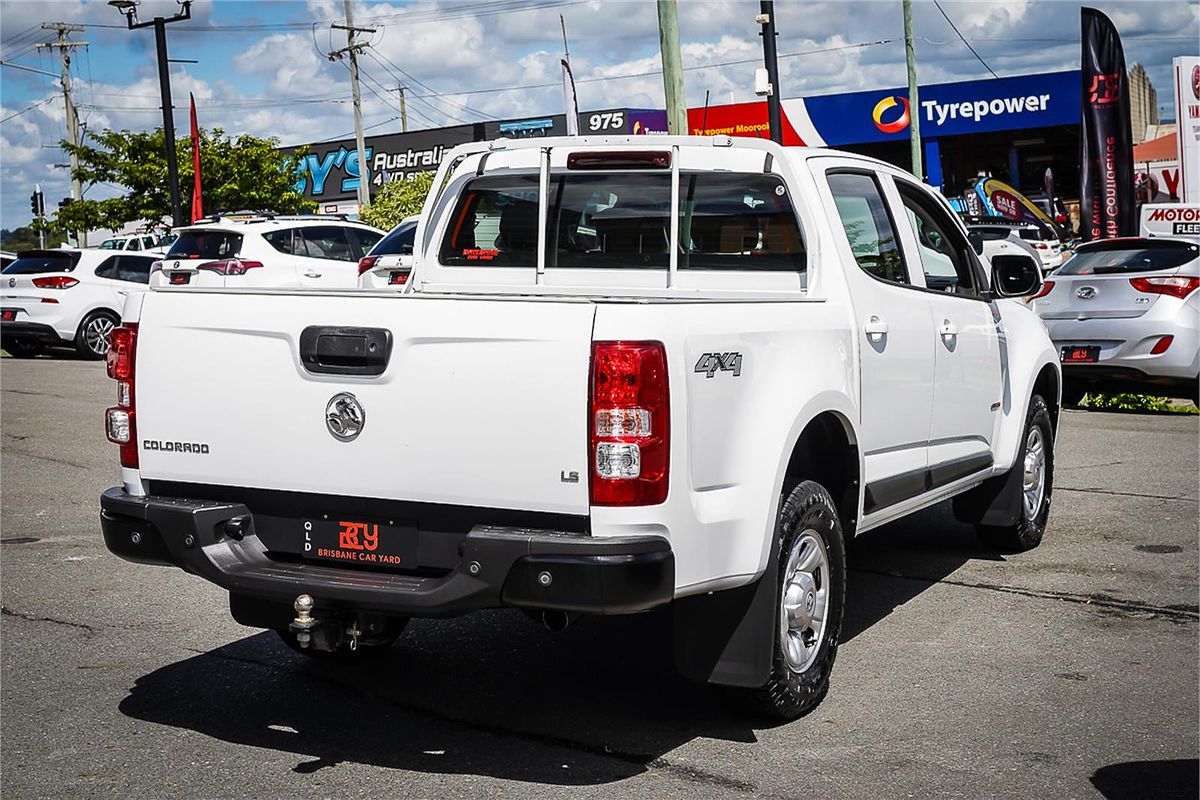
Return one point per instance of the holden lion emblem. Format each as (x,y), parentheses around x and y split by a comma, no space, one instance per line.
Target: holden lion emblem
(345,417)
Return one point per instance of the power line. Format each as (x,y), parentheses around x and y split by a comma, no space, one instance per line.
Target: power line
(27,110)
(430,89)
(964,39)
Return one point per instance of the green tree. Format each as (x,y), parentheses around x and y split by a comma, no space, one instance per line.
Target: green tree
(236,173)
(396,200)
(24,238)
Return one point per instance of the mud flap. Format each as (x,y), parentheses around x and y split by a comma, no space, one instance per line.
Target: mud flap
(995,503)
(728,637)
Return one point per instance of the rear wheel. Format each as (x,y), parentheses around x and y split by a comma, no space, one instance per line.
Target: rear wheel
(1036,462)
(92,339)
(23,348)
(810,596)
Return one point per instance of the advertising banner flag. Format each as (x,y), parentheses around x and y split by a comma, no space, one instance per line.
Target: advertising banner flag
(1187,118)
(1106,194)
(197,202)
(569,99)
(1005,201)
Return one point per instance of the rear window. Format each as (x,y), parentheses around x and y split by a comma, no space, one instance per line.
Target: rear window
(33,263)
(206,244)
(597,220)
(990,234)
(1142,256)
(398,242)
(1035,234)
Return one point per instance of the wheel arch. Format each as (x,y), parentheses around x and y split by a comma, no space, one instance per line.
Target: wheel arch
(1049,385)
(826,450)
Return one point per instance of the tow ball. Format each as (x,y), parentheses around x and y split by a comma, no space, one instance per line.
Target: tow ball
(325,635)
(304,622)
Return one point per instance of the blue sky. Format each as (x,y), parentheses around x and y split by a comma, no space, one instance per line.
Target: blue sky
(261,69)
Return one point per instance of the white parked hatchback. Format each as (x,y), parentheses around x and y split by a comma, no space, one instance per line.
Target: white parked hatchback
(305,251)
(69,298)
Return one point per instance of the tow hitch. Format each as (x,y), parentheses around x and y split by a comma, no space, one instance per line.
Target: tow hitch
(329,634)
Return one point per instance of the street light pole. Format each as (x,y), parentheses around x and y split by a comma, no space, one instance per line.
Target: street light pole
(766,18)
(129,9)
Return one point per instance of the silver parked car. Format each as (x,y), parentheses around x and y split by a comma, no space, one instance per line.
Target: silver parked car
(1123,314)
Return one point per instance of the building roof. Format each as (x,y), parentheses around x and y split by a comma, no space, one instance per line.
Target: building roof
(1160,149)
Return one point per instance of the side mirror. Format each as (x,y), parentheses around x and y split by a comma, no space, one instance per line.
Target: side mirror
(1016,276)
(976,241)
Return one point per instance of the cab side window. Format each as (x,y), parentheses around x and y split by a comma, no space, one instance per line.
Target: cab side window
(134,269)
(941,247)
(868,225)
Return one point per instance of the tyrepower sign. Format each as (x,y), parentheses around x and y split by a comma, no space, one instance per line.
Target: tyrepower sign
(945,109)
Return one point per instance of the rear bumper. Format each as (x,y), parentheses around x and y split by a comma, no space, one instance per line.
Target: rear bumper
(500,566)
(29,331)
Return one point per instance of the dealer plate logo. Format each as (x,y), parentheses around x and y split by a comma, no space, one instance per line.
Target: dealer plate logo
(344,417)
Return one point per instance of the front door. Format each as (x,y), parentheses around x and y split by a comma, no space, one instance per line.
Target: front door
(893,322)
(968,392)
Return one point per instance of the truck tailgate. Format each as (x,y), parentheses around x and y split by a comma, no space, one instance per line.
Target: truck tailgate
(483,401)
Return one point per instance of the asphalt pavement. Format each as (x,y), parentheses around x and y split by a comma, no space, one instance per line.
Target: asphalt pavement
(1068,671)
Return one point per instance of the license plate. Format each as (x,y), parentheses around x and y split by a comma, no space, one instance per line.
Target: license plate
(180,278)
(1081,355)
(8,314)
(358,542)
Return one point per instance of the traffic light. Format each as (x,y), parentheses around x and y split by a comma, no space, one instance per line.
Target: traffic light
(37,204)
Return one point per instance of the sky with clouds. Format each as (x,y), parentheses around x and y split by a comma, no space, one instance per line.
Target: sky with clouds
(262,67)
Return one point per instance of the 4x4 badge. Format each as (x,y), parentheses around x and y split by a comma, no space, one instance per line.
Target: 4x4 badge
(345,417)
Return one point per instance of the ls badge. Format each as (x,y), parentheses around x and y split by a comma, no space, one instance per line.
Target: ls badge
(345,417)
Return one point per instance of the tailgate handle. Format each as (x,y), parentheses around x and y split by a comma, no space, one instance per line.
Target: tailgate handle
(330,350)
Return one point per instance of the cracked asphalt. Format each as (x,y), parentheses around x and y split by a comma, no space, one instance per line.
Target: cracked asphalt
(1068,671)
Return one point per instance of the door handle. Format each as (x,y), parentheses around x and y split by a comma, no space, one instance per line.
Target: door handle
(311,274)
(949,328)
(875,328)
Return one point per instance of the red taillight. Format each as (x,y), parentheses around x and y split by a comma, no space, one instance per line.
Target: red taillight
(1046,287)
(1161,345)
(156,267)
(1040,246)
(230,266)
(365,263)
(55,282)
(119,423)
(1175,285)
(629,424)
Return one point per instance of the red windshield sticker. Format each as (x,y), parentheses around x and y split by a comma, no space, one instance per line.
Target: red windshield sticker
(480,254)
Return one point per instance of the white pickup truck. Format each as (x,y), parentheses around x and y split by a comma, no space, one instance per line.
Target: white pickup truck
(627,373)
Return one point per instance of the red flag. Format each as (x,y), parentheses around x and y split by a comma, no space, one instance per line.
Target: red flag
(197,203)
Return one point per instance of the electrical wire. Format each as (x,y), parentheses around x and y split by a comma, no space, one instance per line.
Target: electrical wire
(27,110)
(964,39)
(430,89)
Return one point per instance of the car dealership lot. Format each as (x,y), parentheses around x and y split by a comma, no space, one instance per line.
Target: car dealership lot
(1066,671)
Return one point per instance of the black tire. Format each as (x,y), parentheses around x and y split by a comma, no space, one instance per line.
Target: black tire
(23,348)
(1072,394)
(789,693)
(86,343)
(1027,533)
(367,648)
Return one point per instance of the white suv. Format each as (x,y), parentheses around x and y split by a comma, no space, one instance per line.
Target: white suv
(69,298)
(316,252)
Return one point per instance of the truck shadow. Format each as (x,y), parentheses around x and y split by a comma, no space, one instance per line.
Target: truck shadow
(496,694)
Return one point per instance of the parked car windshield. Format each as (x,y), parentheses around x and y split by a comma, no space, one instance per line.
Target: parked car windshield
(1140,256)
(33,263)
(206,244)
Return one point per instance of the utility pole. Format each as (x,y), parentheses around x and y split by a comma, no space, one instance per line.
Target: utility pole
(403,111)
(129,9)
(766,18)
(914,106)
(64,47)
(352,49)
(668,42)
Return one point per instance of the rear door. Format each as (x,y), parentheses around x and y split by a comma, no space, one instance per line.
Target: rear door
(894,324)
(482,402)
(325,257)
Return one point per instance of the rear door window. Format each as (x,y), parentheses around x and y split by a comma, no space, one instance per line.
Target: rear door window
(34,263)
(868,225)
(134,269)
(494,223)
(284,241)
(206,244)
(326,241)
(108,269)
(362,240)
(1124,257)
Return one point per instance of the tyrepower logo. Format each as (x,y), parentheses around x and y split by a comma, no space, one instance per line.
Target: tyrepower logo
(896,125)
(977,110)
